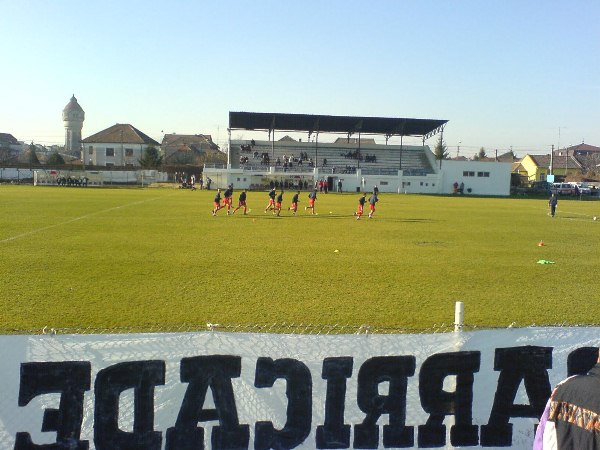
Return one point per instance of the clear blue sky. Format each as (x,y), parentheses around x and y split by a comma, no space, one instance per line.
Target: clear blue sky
(504,73)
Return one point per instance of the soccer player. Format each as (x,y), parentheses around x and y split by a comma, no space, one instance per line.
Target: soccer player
(372,200)
(552,204)
(311,201)
(271,204)
(361,206)
(217,203)
(294,206)
(278,203)
(241,202)
(228,194)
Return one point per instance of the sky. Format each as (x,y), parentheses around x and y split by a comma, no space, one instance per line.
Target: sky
(510,74)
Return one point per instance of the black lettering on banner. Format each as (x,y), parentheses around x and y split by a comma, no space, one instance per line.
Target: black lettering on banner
(334,433)
(580,361)
(69,378)
(299,408)
(440,403)
(528,364)
(142,376)
(395,370)
(203,372)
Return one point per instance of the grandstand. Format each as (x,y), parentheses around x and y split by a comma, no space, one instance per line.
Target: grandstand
(344,156)
(354,158)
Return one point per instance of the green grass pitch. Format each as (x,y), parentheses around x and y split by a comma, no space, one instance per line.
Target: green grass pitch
(141,258)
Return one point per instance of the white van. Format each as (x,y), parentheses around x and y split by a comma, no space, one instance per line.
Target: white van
(563,188)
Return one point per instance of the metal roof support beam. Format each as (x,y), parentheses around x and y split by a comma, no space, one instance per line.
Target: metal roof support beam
(316,164)
(228,147)
(401,148)
(434,132)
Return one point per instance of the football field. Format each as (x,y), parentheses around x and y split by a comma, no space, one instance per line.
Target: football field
(155,258)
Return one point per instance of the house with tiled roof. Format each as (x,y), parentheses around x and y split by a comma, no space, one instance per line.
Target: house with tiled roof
(9,147)
(121,145)
(588,156)
(188,148)
(10,142)
(579,150)
(538,167)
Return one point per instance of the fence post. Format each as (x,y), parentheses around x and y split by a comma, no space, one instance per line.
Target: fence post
(459,316)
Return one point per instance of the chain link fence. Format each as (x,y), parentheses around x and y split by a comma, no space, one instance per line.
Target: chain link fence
(282,328)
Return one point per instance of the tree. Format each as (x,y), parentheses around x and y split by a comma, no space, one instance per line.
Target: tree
(480,155)
(31,155)
(151,159)
(440,150)
(5,153)
(55,159)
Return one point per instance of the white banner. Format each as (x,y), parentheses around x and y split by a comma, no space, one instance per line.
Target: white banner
(217,390)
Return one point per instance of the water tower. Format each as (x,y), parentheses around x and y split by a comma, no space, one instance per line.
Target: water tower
(73,117)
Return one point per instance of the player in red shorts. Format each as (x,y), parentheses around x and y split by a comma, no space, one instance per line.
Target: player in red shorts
(242,202)
(217,203)
(271,204)
(311,201)
(228,194)
(372,200)
(361,206)
(294,206)
(278,203)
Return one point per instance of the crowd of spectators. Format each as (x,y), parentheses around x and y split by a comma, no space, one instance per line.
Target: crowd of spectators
(61,180)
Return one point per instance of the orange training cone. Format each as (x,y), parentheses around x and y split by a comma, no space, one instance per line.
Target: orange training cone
(541,244)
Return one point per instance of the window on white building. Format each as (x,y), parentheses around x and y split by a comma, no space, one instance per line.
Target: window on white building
(110,152)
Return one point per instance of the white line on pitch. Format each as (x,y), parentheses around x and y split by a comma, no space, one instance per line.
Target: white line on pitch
(75,219)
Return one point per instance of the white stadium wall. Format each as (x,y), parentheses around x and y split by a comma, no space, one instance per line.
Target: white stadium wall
(482,178)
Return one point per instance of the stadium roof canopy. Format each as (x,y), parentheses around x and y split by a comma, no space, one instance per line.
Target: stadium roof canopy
(335,124)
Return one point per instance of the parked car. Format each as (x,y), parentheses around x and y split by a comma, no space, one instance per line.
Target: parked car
(539,187)
(563,188)
(584,189)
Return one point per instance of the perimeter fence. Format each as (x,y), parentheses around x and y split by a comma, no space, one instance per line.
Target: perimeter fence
(282,328)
